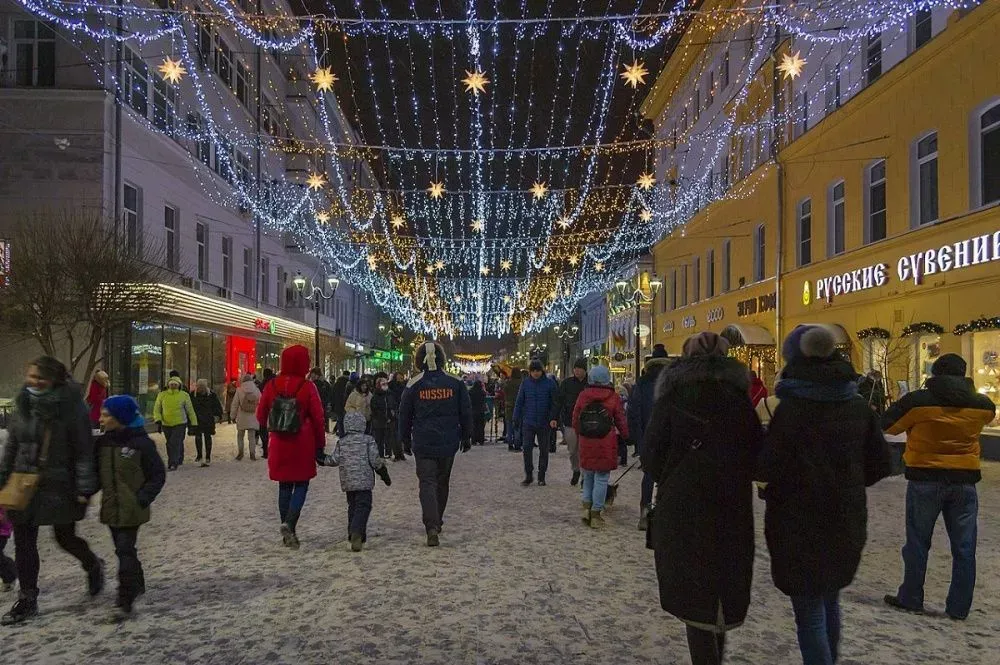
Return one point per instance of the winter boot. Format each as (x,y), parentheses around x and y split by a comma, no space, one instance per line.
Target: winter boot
(644,518)
(25,608)
(597,519)
(528,479)
(586,505)
(541,480)
(287,535)
(95,578)
(575,479)
(433,540)
(357,543)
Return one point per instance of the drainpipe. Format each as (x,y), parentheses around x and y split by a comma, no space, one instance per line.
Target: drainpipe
(256,217)
(118,124)
(780,226)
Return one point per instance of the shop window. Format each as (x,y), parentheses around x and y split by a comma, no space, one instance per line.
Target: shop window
(170,229)
(759,253)
(804,234)
(201,237)
(922,27)
(201,361)
(696,282)
(989,143)
(135,81)
(34,54)
(132,212)
(926,349)
(926,198)
(727,265)
(710,274)
(875,203)
(874,354)
(227,263)
(176,340)
(836,228)
(986,368)
(220,377)
(873,66)
(146,365)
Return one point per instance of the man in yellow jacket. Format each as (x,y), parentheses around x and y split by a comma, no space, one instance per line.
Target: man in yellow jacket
(942,422)
(174,412)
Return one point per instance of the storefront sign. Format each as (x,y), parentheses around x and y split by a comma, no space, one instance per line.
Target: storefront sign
(668,327)
(689,322)
(392,356)
(715,314)
(751,306)
(860,279)
(265,325)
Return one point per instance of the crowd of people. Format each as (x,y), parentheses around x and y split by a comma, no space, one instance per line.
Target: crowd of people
(705,428)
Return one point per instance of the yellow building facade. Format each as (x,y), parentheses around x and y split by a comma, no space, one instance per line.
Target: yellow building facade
(880,220)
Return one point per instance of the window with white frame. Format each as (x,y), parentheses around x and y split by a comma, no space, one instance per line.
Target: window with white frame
(201,238)
(724,172)
(265,279)
(132,222)
(802,104)
(989,155)
(227,262)
(135,81)
(224,158)
(279,291)
(927,179)
(170,229)
(34,54)
(684,285)
(204,41)
(876,208)
(724,69)
(244,171)
(223,60)
(922,27)
(242,84)
(202,143)
(759,253)
(696,281)
(727,265)
(804,233)
(673,290)
(248,272)
(710,274)
(710,91)
(873,65)
(164,104)
(831,85)
(697,104)
(836,234)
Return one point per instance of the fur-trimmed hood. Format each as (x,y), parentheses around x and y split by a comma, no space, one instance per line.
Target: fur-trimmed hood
(721,369)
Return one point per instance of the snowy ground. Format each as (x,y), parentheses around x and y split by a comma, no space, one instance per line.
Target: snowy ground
(516,580)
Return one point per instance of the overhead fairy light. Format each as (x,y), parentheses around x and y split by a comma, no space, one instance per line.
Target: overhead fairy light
(429,270)
(436,190)
(564,222)
(323,78)
(439,265)
(635,74)
(323,217)
(478,226)
(316,181)
(372,262)
(547,269)
(171,70)
(791,65)
(475,82)
(397,222)
(599,266)
(646,216)
(574,260)
(646,181)
(539,189)
(506,264)
(484,271)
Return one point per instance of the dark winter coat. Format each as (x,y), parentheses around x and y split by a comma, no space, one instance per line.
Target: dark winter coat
(601,454)
(435,415)
(537,403)
(569,391)
(511,389)
(822,451)
(292,457)
(207,408)
(640,407)
(700,446)
(397,388)
(384,408)
(132,475)
(338,395)
(69,471)
(325,391)
(477,396)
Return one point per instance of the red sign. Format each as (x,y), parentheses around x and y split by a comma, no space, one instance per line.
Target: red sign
(264,324)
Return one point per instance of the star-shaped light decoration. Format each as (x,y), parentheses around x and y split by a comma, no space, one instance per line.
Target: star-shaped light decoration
(171,70)
(635,74)
(791,66)
(564,222)
(397,222)
(475,82)
(439,265)
(372,262)
(506,264)
(547,269)
(323,217)
(478,226)
(646,216)
(484,271)
(599,266)
(506,299)
(436,190)
(539,190)
(646,181)
(458,300)
(429,270)
(323,78)
(316,181)
(574,260)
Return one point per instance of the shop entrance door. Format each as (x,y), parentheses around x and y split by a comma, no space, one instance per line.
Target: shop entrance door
(241,357)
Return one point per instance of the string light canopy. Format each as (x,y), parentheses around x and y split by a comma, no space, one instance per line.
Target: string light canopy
(437,124)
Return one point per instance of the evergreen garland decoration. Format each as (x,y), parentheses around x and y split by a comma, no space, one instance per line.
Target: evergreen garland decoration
(978,325)
(923,327)
(878,333)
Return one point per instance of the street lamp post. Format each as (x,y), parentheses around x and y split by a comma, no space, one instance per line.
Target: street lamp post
(393,331)
(637,299)
(566,335)
(316,294)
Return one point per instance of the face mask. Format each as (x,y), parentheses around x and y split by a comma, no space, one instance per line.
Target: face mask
(37,391)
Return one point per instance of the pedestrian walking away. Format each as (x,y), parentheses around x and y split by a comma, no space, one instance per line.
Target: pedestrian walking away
(8,571)
(640,412)
(511,390)
(357,456)
(569,391)
(338,397)
(701,446)
(823,447)
(435,420)
(536,413)
(49,435)
(132,474)
(262,433)
(174,411)
(325,394)
(599,419)
(243,411)
(942,422)
(477,395)
(208,411)
(291,406)
(384,407)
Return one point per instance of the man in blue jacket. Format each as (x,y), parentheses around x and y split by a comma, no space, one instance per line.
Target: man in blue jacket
(435,419)
(536,414)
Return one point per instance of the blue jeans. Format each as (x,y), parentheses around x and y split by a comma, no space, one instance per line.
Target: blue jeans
(359,507)
(541,434)
(291,498)
(817,619)
(959,503)
(595,488)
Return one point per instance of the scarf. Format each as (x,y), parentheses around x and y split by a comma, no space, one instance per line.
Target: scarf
(816,392)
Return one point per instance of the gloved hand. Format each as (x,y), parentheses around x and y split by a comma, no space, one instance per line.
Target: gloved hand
(383,473)
(321,458)
(466,445)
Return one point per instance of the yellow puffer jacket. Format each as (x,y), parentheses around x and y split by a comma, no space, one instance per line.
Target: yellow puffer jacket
(173,407)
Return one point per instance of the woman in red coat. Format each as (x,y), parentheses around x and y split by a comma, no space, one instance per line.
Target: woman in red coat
(292,454)
(96,395)
(599,412)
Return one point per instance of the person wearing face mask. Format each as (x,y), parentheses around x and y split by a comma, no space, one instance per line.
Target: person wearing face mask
(50,435)
(383,406)
(174,411)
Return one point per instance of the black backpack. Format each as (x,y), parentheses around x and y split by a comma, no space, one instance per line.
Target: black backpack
(595,420)
(284,415)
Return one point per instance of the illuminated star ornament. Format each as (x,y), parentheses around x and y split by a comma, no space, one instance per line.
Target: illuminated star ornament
(599,266)
(646,216)
(484,271)
(397,222)
(635,74)
(564,222)
(646,181)
(506,264)
(372,262)
(439,265)
(323,78)
(475,82)
(323,217)
(547,269)
(436,190)
(791,65)
(479,226)
(574,260)
(316,181)
(539,190)
(171,70)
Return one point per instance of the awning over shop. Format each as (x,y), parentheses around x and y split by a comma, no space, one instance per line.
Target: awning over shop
(840,336)
(745,334)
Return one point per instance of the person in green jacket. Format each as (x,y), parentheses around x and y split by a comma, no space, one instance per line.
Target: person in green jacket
(174,412)
(132,475)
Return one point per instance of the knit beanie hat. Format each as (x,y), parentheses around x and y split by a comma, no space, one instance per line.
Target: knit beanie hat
(536,366)
(950,364)
(599,375)
(808,342)
(174,381)
(659,351)
(125,410)
(581,363)
(705,344)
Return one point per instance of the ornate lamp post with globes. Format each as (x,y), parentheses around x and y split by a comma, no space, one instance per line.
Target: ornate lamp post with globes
(637,298)
(316,294)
